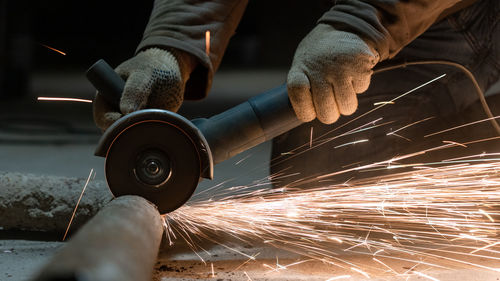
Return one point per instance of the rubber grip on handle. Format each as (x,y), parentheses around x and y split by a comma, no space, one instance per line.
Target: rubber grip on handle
(109,84)
(248,124)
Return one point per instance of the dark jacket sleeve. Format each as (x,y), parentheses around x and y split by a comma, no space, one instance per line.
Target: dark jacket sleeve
(182,24)
(388,25)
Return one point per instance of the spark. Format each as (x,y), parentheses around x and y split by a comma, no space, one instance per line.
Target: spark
(63,99)
(352,164)
(387,163)
(284,267)
(207,42)
(336,239)
(167,232)
(361,272)
(455,143)
(53,49)
(78,203)
(382,263)
(243,159)
(485,247)
(424,212)
(268,266)
(246,274)
(425,276)
(462,126)
(399,136)
(357,118)
(432,213)
(396,98)
(486,214)
(252,258)
(471,156)
(339,277)
(410,125)
(351,143)
(383,103)
(282,176)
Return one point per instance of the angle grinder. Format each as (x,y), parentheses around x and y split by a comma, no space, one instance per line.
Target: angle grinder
(162,156)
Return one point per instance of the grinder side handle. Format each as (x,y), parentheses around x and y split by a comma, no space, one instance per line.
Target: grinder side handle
(109,84)
(255,121)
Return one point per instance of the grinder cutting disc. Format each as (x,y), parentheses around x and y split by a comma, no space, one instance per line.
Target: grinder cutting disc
(155,154)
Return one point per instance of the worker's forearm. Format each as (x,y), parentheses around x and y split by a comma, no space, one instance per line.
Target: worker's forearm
(182,24)
(388,25)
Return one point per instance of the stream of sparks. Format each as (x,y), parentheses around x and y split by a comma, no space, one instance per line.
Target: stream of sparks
(444,214)
(438,215)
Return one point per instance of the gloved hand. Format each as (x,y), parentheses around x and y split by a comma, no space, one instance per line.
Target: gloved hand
(155,78)
(329,68)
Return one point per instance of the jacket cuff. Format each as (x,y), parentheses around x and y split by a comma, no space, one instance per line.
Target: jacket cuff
(361,19)
(200,80)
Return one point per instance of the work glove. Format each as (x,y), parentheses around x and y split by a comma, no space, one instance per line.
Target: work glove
(329,68)
(155,78)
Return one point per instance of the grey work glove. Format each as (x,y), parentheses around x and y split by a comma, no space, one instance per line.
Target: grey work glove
(329,68)
(155,78)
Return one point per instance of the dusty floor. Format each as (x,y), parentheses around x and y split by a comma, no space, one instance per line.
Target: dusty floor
(280,265)
(20,258)
(65,149)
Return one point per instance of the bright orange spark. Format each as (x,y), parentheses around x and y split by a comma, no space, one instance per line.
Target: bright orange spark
(361,272)
(485,247)
(247,261)
(207,42)
(409,125)
(462,126)
(63,99)
(78,203)
(433,213)
(385,265)
(243,159)
(248,276)
(54,49)
(339,277)
(424,212)
(425,276)
(383,103)
(455,143)
(335,239)
(487,215)
(351,143)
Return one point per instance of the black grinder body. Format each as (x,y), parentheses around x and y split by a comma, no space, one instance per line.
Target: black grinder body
(158,139)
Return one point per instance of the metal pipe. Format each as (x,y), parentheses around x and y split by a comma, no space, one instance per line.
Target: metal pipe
(120,243)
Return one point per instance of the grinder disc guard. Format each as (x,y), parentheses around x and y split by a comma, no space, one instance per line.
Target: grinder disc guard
(155,154)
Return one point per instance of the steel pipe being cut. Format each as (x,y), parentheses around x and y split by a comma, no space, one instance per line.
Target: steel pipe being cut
(120,243)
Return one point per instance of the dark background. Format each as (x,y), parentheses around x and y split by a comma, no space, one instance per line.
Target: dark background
(89,30)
